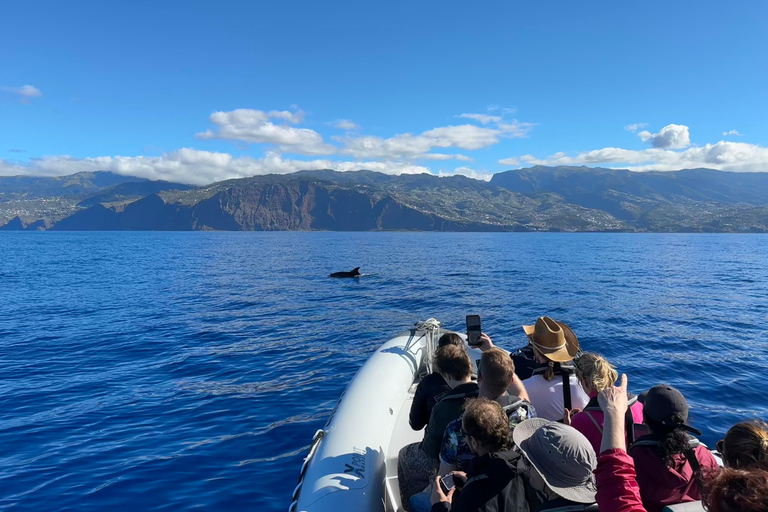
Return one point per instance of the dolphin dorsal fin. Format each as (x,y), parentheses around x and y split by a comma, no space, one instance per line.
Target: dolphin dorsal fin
(356,269)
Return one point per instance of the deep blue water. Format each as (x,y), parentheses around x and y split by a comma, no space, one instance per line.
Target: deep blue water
(179,371)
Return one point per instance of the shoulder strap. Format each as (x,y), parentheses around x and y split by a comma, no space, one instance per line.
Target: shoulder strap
(589,415)
(690,455)
(566,385)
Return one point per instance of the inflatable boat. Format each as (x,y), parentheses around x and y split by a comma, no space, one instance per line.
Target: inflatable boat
(352,462)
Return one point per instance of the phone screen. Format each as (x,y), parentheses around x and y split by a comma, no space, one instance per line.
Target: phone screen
(473,330)
(447,483)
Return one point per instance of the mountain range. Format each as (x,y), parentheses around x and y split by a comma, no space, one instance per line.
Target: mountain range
(531,199)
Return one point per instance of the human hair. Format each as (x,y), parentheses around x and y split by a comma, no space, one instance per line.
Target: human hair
(736,490)
(450,338)
(672,440)
(745,445)
(596,371)
(486,421)
(497,370)
(549,373)
(453,362)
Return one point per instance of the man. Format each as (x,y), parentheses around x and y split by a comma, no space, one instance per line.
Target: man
(418,462)
(492,481)
(497,381)
(495,373)
(559,464)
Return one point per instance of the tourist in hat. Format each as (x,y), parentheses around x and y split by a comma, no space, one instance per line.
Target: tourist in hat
(554,345)
(559,464)
(665,458)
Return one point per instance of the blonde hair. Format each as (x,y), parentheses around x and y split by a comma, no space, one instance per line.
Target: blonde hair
(596,371)
(746,445)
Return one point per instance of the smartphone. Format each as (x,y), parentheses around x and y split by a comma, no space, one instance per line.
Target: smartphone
(473,330)
(447,483)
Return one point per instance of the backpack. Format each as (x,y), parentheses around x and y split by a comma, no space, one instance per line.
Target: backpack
(690,456)
(629,420)
(565,370)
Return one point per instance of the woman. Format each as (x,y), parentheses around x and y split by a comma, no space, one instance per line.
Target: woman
(553,344)
(729,490)
(431,387)
(745,445)
(664,459)
(595,374)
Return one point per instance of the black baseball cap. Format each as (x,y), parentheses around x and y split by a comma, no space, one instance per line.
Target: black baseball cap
(667,406)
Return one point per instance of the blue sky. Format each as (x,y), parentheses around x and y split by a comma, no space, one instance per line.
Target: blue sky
(202,91)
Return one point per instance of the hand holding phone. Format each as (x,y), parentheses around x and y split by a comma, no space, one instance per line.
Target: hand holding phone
(473,330)
(447,483)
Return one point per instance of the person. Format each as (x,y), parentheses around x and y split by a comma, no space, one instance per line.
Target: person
(595,374)
(525,361)
(417,462)
(554,344)
(737,490)
(431,388)
(617,489)
(492,481)
(728,490)
(745,445)
(559,464)
(666,457)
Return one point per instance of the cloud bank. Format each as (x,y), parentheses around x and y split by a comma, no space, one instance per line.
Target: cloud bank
(25,93)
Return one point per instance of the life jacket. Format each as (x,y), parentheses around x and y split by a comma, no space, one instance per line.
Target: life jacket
(629,420)
(564,370)
(689,453)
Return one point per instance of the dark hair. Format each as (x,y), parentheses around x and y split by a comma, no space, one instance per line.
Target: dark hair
(450,338)
(736,490)
(746,445)
(486,421)
(672,441)
(453,362)
(497,370)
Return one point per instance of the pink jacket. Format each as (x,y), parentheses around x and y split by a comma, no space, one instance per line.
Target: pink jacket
(661,485)
(617,489)
(590,422)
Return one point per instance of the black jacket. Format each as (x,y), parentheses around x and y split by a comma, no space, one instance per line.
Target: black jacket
(493,485)
(525,362)
(450,407)
(428,392)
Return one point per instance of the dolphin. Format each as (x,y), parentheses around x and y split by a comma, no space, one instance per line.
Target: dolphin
(355,272)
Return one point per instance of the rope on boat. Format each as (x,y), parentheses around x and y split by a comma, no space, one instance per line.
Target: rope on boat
(432,328)
(319,435)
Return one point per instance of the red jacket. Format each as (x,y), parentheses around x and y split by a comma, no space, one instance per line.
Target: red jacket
(617,489)
(661,485)
(590,422)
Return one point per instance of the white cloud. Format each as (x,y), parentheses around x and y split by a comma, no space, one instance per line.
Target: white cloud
(510,161)
(444,156)
(407,145)
(466,171)
(672,136)
(723,155)
(345,124)
(733,132)
(634,127)
(193,166)
(25,92)
(481,118)
(256,126)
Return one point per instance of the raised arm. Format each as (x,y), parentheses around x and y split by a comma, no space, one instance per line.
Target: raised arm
(617,489)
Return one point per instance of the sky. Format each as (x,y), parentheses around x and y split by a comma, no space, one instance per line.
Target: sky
(197,92)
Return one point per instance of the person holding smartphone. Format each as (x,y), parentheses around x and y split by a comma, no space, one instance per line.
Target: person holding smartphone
(492,481)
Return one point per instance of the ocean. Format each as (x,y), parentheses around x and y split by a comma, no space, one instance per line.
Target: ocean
(181,371)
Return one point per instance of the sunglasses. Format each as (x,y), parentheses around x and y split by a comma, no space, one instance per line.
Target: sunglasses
(465,433)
